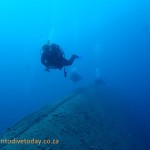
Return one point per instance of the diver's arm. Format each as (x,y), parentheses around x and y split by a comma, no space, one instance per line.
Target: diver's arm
(44,60)
(47,69)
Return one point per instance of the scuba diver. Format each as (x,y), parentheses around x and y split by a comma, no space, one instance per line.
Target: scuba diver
(53,57)
(74,76)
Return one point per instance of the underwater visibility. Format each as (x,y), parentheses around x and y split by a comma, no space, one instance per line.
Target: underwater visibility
(75,75)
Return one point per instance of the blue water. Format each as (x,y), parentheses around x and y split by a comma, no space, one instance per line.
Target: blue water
(113,36)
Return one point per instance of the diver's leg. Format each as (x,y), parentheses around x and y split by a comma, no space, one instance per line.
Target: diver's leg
(70,61)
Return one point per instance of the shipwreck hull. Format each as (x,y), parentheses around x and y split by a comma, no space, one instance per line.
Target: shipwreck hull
(88,119)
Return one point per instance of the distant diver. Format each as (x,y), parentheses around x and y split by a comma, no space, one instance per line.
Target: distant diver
(98,80)
(53,57)
(74,76)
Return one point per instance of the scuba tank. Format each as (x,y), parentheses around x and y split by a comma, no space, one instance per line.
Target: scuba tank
(45,47)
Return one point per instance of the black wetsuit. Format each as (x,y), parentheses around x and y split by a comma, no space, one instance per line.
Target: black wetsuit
(52,60)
